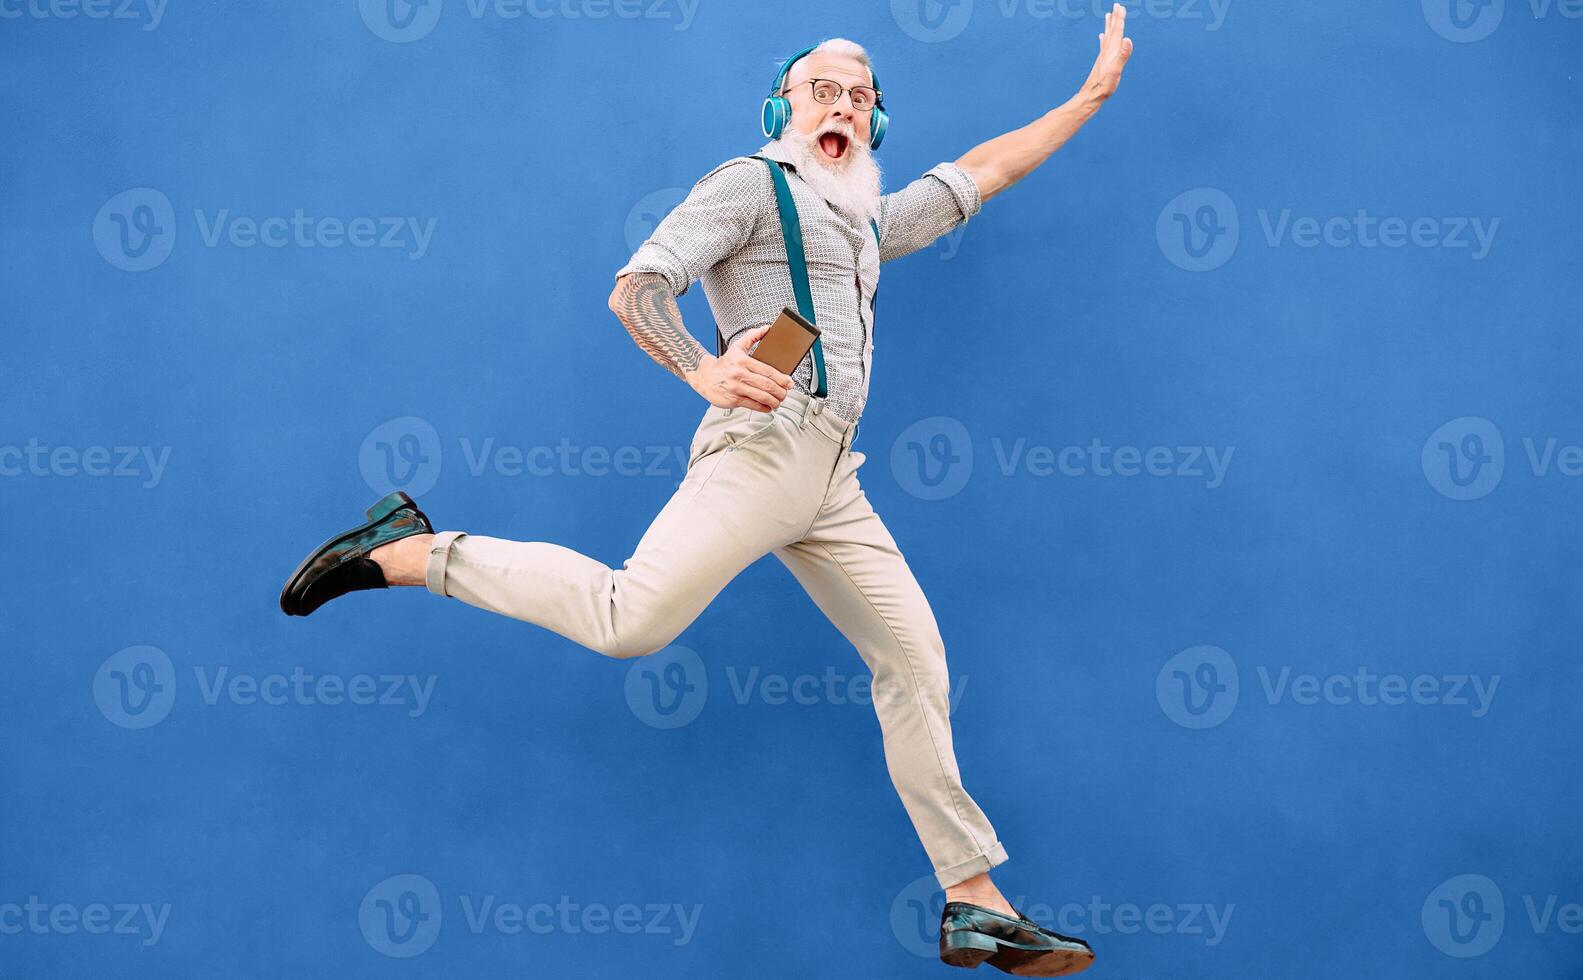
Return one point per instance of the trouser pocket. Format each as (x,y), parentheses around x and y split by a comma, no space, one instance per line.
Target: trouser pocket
(758,424)
(723,429)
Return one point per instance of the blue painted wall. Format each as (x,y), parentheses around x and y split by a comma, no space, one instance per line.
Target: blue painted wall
(1237,449)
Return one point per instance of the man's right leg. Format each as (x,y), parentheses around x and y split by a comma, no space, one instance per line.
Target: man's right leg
(734,506)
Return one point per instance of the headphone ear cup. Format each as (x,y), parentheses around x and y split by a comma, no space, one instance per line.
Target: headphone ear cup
(878,122)
(777,113)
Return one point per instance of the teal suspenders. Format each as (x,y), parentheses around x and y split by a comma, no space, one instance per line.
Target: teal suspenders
(797,264)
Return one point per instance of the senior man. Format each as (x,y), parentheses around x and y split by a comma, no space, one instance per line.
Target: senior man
(771,470)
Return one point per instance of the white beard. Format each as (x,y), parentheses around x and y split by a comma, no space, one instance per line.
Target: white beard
(853,184)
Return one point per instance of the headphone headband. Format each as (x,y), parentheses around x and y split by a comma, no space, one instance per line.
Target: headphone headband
(780,76)
(786,67)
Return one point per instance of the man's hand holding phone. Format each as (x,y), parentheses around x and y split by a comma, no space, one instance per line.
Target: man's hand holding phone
(736,379)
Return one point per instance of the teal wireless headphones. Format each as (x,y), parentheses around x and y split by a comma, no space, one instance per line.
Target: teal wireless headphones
(778,110)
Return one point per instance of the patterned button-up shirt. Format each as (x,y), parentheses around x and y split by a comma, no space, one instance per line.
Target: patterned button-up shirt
(727,232)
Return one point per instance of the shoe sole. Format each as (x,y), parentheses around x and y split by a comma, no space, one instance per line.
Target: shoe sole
(291,594)
(968,949)
(1045,963)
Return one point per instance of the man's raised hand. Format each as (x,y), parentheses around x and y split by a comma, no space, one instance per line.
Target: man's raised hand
(1114,50)
(736,379)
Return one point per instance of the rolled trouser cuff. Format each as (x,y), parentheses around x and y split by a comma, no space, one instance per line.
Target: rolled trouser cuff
(439,555)
(979,863)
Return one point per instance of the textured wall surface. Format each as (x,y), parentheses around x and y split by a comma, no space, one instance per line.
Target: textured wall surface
(1238,449)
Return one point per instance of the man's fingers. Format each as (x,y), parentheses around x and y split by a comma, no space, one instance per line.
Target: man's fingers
(758,367)
(1115,23)
(749,337)
(761,383)
(1114,40)
(751,397)
(764,390)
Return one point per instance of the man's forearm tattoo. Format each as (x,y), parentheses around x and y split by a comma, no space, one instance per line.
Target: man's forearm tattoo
(647,308)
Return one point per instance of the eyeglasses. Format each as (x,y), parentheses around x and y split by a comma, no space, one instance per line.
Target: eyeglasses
(826,92)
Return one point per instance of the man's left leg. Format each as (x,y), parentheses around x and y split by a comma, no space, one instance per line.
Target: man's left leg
(851,568)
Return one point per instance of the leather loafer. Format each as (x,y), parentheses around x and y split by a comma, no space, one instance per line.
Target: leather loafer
(342,565)
(971,934)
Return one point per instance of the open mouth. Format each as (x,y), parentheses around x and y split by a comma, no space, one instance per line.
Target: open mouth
(833,145)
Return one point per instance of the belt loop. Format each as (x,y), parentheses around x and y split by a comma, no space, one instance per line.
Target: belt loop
(803,419)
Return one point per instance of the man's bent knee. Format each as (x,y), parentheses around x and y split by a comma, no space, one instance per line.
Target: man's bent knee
(634,644)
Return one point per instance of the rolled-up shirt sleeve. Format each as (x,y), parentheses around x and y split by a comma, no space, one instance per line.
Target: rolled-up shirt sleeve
(913,217)
(715,220)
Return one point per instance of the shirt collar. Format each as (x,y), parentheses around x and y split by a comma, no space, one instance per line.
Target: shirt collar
(775,150)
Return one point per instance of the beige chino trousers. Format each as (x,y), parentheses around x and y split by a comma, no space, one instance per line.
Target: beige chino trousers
(783,482)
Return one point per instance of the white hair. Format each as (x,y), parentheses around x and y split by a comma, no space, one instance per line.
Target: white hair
(841,47)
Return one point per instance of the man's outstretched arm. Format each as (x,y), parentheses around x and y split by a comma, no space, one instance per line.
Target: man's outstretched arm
(998,163)
(646,305)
